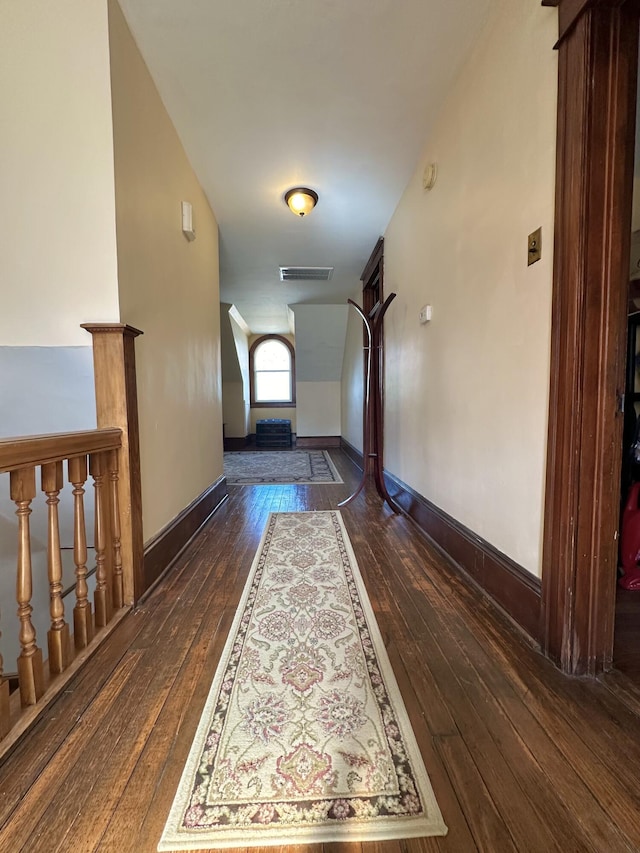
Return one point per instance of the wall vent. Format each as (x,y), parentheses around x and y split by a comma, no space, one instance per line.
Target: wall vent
(305,273)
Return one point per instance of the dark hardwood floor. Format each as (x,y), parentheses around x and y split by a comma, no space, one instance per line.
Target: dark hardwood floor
(521,758)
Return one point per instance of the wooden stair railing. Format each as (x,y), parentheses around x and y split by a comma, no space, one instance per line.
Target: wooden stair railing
(96,452)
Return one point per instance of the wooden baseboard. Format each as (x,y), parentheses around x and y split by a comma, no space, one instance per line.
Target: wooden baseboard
(517,592)
(311,442)
(167,545)
(236,443)
(353,453)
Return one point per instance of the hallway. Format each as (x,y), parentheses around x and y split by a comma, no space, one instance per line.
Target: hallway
(520,757)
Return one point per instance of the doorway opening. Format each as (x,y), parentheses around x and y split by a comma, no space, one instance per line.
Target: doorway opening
(626,649)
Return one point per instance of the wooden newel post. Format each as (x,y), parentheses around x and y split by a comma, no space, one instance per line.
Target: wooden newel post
(58,639)
(30,670)
(117,406)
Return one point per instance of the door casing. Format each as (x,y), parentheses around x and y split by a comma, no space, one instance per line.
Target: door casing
(597,53)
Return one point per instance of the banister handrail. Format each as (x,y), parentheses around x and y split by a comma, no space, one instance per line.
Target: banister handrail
(83,485)
(36,465)
(28,450)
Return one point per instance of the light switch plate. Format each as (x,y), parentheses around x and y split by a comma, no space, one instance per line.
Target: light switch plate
(534,247)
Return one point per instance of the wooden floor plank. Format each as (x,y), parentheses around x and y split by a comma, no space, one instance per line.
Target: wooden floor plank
(473,718)
(171,747)
(581,721)
(137,792)
(490,690)
(48,786)
(34,752)
(487,827)
(459,837)
(520,757)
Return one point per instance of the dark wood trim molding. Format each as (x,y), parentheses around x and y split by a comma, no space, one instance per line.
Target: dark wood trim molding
(236,443)
(309,442)
(374,265)
(568,13)
(273,405)
(516,591)
(161,551)
(355,455)
(372,293)
(511,587)
(288,404)
(596,125)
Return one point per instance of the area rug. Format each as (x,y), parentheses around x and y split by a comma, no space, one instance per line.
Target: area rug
(280,467)
(304,737)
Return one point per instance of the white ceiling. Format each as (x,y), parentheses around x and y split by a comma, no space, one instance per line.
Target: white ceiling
(337,95)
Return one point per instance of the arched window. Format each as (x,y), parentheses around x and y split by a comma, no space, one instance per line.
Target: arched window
(272,367)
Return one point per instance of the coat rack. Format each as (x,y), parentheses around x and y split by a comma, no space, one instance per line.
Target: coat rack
(373,439)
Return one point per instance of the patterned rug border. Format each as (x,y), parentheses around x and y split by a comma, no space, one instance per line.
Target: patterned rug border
(285,481)
(431,824)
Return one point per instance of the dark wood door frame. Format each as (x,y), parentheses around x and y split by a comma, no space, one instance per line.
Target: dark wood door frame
(598,50)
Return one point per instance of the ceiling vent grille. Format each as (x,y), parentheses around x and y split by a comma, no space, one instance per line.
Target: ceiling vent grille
(305,273)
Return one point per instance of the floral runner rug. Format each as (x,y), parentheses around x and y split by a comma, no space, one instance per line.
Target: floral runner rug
(280,467)
(304,737)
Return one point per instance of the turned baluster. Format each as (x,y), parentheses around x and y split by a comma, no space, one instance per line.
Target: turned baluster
(58,639)
(30,670)
(118,587)
(102,598)
(82,621)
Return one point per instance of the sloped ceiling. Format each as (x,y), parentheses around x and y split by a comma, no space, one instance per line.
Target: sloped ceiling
(337,95)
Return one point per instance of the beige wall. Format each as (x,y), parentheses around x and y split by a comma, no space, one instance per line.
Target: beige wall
(467,394)
(57,254)
(168,288)
(352,385)
(57,216)
(241,341)
(320,335)
(234,353)
(318,408)
(233,407)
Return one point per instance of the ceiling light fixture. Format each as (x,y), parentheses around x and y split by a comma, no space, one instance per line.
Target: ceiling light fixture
(301,200)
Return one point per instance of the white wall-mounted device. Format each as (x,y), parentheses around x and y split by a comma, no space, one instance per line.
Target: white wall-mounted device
(425,314)
(187,221)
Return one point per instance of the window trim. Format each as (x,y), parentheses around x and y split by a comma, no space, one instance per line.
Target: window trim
(274,404)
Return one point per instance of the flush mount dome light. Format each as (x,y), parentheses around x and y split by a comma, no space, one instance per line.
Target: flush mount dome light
(301,200)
